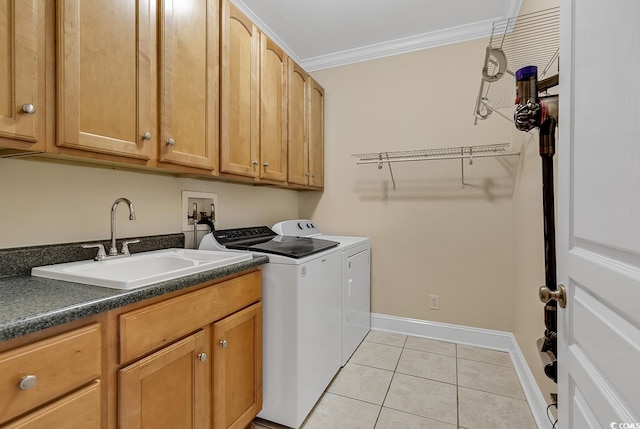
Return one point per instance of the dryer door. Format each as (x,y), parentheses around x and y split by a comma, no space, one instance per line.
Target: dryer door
(356,302)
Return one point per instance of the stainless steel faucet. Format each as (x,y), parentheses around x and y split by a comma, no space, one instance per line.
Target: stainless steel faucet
(132,216)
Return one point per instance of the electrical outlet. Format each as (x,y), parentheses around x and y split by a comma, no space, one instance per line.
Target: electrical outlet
(435,302)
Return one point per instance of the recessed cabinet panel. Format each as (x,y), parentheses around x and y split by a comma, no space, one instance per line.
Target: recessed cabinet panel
(316,135)
(297,127)
(273,111)
(189,80)
(167,389)
(239,125)
(104,76)
(7,65)
(22,72)
(81,409)
(237,368)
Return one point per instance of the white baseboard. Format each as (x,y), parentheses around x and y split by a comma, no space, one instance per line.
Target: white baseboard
(485,338)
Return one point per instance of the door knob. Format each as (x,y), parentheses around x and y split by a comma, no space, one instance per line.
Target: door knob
(559,295)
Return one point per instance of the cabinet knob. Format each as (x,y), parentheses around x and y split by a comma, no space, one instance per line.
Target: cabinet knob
(171,142)
(306,174)
(265,165)
(202,357)
(146,136)
(29,109)
(255,162)
(27,382)
(224,343)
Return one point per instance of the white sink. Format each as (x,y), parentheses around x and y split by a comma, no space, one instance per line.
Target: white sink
(140,269)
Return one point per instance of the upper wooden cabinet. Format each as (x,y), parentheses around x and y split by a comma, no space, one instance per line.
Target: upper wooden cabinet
(189,32)
(298,125)
(305,129)
(273,111)
(104,80)
(183,86)
(316,134)
(239,93)
(22,74)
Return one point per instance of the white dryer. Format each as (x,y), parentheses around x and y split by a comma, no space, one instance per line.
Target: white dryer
(356,280)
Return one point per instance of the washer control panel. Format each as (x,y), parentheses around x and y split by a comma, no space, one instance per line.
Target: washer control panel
(297,228)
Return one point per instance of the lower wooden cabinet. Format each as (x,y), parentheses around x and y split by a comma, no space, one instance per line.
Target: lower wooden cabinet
(191,360)
(40,372)
(167,389)
(237,368)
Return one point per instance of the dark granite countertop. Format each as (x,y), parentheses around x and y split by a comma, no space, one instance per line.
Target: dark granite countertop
(30,304)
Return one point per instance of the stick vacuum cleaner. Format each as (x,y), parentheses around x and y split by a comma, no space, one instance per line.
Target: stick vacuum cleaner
(533,111)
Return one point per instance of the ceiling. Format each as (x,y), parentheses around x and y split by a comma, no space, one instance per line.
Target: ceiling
(328,33)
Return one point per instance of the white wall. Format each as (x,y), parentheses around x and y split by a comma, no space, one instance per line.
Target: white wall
(434,238)
(482,255)
(45,203)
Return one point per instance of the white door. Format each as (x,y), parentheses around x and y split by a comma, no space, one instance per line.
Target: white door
(599,215)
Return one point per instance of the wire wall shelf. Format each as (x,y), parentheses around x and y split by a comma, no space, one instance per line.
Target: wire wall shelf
(412,177)
(528,40)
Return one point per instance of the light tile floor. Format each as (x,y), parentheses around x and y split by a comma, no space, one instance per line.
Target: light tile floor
(395,381)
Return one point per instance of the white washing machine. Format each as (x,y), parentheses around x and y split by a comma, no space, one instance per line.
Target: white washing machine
(356,280)
(301,317)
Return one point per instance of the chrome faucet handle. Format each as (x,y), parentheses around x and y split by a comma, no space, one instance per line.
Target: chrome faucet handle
(101,253)
(125,246)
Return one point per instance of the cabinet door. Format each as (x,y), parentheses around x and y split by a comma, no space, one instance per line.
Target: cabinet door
(297,127)
(167,389)
(189,83)
(316,134)
(104,76)
(237,368)
(239,124)
(22,73)
(273,111)
(77,410)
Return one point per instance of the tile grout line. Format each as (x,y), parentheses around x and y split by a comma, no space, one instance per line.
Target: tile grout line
(389,386)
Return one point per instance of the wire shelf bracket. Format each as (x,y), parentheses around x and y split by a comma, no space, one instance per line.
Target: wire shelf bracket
(531,39)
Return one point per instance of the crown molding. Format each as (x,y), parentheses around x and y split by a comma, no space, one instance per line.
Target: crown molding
(404,45)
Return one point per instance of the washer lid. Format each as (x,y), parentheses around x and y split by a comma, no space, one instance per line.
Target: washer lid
(263,239)
(294,247)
